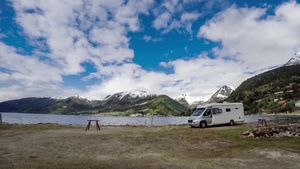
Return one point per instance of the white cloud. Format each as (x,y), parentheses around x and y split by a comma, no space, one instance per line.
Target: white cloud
(2,35)
(26,70)
(186,17)
(171,5)
(186,49)
(128,14)
(162,20)
(147,38)
(105,36)
(27,76)
(171,15)
(257,43)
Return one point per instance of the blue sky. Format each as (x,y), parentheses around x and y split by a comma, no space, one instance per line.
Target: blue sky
(93,49)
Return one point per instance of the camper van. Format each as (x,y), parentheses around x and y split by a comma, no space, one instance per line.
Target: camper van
(216,114)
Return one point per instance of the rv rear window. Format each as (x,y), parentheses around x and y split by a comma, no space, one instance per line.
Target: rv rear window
(228,110)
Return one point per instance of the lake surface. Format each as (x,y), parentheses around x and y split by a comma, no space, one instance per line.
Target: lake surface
(24,118)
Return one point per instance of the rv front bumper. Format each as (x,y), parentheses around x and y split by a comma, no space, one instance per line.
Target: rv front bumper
(194,123)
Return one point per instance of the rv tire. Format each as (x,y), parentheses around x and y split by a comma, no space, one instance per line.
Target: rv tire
(231,123)
(202,124)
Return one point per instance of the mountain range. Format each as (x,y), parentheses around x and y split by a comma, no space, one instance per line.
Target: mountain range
(221,94)
(191,102)
(294,60)
(123,103)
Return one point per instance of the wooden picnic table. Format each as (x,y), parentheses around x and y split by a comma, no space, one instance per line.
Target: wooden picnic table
(89,124)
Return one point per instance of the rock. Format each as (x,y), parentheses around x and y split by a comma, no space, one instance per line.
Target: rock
(277,131)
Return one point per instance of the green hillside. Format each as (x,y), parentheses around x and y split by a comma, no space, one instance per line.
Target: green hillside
(71,105)
(29,105)
(266,90)
(164,105)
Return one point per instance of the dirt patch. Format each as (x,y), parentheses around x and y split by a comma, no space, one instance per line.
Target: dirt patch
(140,147)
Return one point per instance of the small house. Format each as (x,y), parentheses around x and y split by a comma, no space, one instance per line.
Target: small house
(282,102)
(297,105)
(267,111)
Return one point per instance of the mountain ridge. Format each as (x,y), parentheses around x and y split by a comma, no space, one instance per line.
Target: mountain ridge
(221,94)
(124,102)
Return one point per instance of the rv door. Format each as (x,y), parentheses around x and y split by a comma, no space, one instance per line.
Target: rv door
(208,116)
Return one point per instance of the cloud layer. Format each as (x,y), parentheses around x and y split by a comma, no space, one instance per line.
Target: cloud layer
(258,40)
(67,34)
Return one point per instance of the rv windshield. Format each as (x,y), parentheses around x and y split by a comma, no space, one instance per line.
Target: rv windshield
(198,112)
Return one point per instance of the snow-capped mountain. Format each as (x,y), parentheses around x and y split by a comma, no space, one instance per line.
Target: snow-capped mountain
(294,60)
(181,99)
(130,94)
(221,94)
(190,100)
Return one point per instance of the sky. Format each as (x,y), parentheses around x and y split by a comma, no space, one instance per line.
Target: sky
(94,48)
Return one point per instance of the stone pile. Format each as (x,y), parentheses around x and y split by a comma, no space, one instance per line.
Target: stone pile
(275,131)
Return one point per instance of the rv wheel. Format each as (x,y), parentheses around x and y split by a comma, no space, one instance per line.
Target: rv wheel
(202,124)
(231,123)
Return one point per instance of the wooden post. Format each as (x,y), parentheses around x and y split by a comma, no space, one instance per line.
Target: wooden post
(152,120)
(0,118)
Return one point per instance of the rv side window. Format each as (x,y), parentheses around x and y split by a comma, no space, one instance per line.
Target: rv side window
(207,112)
(217,111)
(228,110)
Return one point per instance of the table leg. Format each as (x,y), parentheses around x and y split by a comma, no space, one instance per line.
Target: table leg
(98,127)
(88,126)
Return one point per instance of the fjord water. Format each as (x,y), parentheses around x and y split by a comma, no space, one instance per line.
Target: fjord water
(24,118)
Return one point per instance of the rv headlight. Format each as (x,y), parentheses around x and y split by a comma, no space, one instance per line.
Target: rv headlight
(196,120)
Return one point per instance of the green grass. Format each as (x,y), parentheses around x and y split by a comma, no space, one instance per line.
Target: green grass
(46,126)
(5,126)
(296,112)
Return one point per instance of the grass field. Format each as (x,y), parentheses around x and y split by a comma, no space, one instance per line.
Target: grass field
(170,146)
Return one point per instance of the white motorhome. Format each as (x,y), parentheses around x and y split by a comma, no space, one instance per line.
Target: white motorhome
(217,113)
